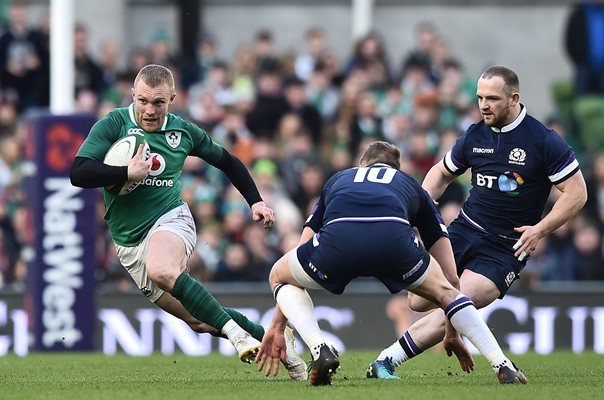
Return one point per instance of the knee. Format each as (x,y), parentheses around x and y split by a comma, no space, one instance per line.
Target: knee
(419,304)
(274,278)
(164,277)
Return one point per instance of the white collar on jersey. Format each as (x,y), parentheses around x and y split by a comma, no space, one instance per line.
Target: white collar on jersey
(133,118)
(514,124)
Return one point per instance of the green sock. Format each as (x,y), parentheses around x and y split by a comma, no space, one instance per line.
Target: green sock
(256,330)
(199,302)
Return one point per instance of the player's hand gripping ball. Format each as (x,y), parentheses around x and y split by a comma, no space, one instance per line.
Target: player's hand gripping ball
(120,154)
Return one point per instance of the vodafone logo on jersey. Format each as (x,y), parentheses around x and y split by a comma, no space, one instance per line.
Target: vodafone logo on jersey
(158,164)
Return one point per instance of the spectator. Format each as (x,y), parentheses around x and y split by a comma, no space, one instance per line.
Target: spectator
(8,114)
(233,134)
(312,177)
(88,74)
(210,249)
(366,123)
(322,93)
(421,55)
(204,109)
(235,266)
(109,64)
(584,41)
(297,103)
(297,155)
(217,83)
(306,62)
(160,52)
(370,53)
(20,57)
(264,50)
(269,106)
(243,75)
(261,254)
(206,55)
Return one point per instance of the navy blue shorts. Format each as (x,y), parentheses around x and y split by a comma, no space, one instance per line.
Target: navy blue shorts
(343,251)
(485,254)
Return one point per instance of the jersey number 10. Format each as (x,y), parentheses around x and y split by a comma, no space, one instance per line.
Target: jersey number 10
(373,175)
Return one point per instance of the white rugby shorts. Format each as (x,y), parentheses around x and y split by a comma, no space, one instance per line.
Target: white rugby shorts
(178,221)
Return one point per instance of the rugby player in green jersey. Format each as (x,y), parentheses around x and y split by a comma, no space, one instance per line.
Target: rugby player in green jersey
(152,227)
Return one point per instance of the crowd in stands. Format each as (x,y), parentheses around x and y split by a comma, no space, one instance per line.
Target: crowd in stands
(294,118)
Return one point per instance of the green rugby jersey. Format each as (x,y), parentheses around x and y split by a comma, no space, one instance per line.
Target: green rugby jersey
(132,215)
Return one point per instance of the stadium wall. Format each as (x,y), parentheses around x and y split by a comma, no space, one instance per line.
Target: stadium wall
(361,319)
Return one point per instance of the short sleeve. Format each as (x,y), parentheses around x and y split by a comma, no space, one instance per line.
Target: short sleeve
(203,146)
(559,159)
(454,160)
(102,135)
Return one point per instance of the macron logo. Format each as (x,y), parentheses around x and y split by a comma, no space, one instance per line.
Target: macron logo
(482,150)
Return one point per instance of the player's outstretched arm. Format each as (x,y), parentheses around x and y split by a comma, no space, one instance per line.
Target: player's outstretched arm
(572,199)
(455,345)
(437,180)
(240,177)
(273,349)
(260,212)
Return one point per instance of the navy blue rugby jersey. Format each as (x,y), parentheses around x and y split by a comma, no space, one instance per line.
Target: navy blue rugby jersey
(513,170)
(377,193)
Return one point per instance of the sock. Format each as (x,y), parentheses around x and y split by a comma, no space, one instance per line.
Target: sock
(256,330)
(297,306)
(199,302)
(402,350)
(232,330)
(465,318)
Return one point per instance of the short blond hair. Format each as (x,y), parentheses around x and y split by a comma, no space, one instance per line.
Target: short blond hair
(155,75)
(381,152)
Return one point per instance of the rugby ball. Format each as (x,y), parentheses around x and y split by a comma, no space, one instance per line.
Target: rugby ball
(119,155)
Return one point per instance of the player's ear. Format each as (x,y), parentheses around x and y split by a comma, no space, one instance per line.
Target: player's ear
(172,97)
(132,91)
(515,98)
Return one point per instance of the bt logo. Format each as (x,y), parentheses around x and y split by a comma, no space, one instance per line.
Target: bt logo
(485,180)
(507,182)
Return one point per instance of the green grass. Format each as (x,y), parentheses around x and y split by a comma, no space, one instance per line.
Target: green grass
(178,377)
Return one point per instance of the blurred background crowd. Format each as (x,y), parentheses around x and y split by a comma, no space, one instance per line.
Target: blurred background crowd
(294,118)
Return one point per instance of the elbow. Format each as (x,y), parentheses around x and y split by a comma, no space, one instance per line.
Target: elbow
(582,199)
(79,173)
(76,174)
(581,196)
(584,195)
(75,179)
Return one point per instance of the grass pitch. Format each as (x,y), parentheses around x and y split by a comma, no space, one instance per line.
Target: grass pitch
(430,376)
